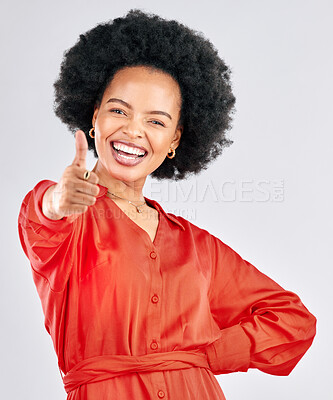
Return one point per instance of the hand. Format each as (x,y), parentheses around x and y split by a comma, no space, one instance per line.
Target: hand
(72,194)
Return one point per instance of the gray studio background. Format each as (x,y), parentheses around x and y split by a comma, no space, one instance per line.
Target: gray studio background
(269,196)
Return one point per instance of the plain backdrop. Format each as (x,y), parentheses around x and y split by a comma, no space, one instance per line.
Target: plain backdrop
(269,196)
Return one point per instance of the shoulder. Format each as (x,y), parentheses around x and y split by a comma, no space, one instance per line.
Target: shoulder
(218,247)
(199,234)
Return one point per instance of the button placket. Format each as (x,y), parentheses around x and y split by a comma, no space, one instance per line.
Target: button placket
(154,309)
(153,337)
(159,390)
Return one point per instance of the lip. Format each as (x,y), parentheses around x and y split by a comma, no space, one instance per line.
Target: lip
(126,161)
(130,144)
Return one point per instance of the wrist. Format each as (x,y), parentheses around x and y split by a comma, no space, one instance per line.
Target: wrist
(48,204)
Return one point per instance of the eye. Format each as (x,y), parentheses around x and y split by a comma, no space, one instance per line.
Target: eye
(157,122)
(117,111)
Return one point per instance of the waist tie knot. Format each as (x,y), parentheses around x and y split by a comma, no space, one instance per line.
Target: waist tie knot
(100,368)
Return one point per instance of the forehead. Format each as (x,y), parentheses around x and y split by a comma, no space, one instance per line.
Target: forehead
(140,83)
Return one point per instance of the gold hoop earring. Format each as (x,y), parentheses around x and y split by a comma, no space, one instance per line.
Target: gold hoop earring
(173,153)
(91,133)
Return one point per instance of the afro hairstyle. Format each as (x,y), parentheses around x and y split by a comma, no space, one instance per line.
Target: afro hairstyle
(146,39)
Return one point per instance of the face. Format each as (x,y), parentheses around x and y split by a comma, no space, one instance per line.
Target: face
(136,123)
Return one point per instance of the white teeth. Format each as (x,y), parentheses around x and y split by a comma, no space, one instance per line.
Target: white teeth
(130,150)
(129,158)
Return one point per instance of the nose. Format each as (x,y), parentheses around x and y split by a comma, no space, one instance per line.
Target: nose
(133,128)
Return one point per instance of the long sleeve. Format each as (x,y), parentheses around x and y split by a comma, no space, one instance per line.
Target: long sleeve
(46,242)
(262,325)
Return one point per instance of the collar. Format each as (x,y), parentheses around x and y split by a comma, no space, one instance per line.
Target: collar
(103,190)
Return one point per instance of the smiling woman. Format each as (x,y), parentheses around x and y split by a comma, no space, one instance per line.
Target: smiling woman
(140,303)
(148,120)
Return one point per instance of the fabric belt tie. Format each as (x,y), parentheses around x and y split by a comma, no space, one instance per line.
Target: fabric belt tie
(100,368)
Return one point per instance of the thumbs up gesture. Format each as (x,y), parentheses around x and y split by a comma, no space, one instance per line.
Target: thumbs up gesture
(73,194)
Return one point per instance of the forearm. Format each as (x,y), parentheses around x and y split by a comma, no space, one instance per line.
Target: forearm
(273,338)
(49,244)
(262,325)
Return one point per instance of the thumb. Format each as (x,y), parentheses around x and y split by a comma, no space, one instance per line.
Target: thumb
(81,146)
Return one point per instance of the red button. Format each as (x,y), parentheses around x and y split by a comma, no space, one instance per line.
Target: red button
(155,298)
(153,345)
(153,254)
(160,394)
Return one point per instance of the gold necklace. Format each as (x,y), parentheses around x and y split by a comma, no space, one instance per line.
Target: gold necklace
(131,202)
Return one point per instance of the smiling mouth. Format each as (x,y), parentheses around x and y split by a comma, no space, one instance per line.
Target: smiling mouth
(128,152)
(127,155)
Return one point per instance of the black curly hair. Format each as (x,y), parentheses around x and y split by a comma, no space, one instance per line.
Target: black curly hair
(146,39)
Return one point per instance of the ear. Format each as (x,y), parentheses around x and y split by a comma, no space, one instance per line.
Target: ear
(96,109)
(177,136)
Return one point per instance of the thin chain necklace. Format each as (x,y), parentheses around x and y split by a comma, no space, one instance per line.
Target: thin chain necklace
(131,202)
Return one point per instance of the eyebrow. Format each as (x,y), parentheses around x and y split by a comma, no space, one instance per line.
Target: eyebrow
(115,100)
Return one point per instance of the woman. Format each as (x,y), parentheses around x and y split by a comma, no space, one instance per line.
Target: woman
(141,303)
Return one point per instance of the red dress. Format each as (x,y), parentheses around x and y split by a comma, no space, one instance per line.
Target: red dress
(136,319)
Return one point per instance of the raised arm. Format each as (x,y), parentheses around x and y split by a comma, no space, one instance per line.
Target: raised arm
(48,216)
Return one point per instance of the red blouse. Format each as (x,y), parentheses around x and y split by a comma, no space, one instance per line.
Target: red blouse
(136,319)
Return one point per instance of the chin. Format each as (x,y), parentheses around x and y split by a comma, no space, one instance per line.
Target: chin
(126,176)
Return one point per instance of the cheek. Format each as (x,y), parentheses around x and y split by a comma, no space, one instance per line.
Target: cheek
(160,140)
(105,126)
(159,147)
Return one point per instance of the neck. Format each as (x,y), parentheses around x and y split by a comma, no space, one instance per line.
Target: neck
(129,190)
